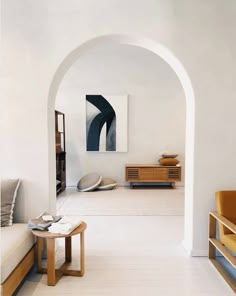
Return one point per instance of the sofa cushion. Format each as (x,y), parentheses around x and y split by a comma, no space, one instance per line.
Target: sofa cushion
(16,241)
(229,240)
(9,188)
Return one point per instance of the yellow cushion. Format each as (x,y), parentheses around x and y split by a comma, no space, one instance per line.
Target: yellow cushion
(226,205)
(229,240)
(168,161)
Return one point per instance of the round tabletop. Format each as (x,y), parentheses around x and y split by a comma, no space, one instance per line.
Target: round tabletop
(47,234)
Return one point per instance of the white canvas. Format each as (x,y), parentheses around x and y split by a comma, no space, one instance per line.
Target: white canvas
(106,123)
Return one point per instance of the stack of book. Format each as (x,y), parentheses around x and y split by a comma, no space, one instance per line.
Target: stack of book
(43,221)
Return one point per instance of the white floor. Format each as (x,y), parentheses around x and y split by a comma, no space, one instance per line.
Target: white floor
(122,202)
(133,255)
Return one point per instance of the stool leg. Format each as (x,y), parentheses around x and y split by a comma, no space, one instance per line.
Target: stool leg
(82,253)
(68,249)
(39,249)
(51,261)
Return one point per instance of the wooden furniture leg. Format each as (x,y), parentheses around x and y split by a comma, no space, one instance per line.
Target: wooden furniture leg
(38,251)
(212,234)
(53,274)
(68,249)
(82,253)
(51,261)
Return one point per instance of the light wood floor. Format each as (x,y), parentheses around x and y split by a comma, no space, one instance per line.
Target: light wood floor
(133,255)
(122,202)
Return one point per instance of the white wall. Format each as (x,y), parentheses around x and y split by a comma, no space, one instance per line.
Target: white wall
(38,35)
(156,109)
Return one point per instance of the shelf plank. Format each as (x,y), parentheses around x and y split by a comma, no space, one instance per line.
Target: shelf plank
(224,274)
(231,226)
(228,256)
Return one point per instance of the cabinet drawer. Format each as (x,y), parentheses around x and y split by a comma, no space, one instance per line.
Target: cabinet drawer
(146,174)
(153,174)
(161,174)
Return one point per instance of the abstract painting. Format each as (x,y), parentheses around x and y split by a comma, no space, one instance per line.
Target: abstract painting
(106,123)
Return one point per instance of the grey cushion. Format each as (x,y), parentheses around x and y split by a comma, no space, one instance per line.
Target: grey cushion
(9,188)
(107,184)
(167,154)
(89,182)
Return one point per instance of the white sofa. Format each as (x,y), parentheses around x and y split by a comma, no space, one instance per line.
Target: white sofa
(17,256)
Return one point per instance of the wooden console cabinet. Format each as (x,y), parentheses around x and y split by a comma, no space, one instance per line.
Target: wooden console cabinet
(151,173)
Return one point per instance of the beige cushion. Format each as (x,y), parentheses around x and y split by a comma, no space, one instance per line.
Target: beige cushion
(167,154)
(168,161)
(107,184)
(16,241)
(89,182)
(9,188)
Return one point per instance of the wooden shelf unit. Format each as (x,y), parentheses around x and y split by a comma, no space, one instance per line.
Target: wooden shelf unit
(216,244)
(151,173)
(60,151)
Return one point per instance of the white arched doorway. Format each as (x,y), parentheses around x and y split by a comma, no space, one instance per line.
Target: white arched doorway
(181,73)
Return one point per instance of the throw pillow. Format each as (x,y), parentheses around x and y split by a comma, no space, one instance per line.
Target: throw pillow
(168,161)
(167,154)
(9,189)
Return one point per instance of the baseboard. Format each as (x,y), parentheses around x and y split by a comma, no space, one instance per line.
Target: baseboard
(118,185)
(199,253)
(125,185)
(177,185)
(194,252)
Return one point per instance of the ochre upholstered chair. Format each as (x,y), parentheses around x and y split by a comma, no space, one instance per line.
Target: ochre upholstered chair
(226,244)
(226,207)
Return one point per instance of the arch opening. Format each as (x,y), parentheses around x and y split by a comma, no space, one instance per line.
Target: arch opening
(185,81)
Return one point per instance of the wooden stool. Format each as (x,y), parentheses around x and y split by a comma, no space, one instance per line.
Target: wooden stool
(55,274)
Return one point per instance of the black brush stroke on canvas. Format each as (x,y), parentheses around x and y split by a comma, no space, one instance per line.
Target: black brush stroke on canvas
(106,116)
